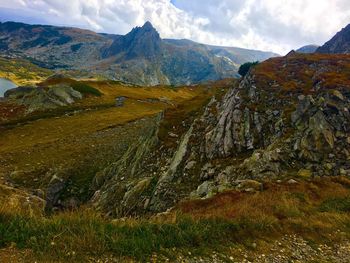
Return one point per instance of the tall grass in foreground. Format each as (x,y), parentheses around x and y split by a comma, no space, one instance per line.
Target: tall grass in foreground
(314,210)
(86,233)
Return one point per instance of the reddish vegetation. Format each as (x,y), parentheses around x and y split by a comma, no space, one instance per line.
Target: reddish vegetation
(277,202)
(302,72)
(9,110)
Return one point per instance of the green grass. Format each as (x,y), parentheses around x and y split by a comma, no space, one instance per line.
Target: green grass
(336,205)
(80,86)
(89,235)
(199,226)
(86,89)
(21,71)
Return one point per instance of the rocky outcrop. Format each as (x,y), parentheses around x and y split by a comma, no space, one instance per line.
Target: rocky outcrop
(125,186)
(263,129)
(42,98)
(280,137)
(163,196)
(241,125)
(288,119)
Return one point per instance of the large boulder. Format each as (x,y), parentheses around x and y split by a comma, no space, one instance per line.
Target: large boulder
(42,98)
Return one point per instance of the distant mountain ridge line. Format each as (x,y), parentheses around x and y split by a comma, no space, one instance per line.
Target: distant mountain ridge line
(141,56)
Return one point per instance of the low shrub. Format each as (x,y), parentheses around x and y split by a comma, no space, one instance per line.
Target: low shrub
(86,89)
(244,68)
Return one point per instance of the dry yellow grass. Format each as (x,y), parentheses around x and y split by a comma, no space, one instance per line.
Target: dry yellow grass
(18,202)
(46,131)
(89,137)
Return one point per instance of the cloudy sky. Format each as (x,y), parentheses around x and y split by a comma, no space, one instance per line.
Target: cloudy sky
(271,25)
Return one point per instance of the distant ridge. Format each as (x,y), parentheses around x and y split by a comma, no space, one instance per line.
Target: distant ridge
(139,57)
(308,49)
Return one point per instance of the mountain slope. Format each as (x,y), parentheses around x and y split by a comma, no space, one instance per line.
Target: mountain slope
(140,56)
(51,47)
(22,72)
(340,43)
(307,49)
(287,119)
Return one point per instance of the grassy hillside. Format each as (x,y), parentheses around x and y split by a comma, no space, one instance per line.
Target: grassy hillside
(77,141)
(22,72)
(299,73)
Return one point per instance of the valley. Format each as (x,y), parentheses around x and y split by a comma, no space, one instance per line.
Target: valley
(140,56)
(133,148)
(83,139)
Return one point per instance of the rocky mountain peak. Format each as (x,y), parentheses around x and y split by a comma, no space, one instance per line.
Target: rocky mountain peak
(340,43)
(148,26)
(142,42)
(146,29)
(139,57)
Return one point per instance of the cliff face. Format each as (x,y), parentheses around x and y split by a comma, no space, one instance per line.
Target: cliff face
(288,118)
(339,44)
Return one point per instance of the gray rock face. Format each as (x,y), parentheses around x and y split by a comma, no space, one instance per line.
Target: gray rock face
(339,44)
(119,101)
(240,128)
(40,98)
(276,142)
(163,196)
(53,191)
(259,130)
(125,185)
(141,42)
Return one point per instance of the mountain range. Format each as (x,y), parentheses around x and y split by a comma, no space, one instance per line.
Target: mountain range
(140,57)
(250,169)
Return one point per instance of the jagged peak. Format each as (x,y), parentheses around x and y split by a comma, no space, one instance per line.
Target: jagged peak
(146,28)
(142,41)
(148,25)
(291,53)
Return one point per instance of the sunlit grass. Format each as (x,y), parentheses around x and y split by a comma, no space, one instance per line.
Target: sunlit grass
(230,218)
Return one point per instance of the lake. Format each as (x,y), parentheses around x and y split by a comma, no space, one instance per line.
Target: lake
(6,85)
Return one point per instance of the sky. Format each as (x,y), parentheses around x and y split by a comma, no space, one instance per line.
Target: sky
(270,25)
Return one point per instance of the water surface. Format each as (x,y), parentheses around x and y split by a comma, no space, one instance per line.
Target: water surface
(6,85)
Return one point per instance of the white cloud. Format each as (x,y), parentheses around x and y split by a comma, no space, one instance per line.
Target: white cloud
(260,24)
